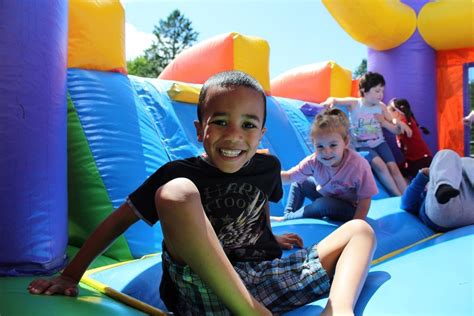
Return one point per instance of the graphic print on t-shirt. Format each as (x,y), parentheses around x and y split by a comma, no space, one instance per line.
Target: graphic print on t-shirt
(236,212)
(366,128)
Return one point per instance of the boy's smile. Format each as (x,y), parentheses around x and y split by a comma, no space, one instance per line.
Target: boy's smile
(231,127)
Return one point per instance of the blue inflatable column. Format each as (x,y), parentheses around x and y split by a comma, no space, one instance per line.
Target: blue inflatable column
(410,73)
(33,175)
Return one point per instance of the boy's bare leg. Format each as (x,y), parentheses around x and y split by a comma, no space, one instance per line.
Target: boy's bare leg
(346,255)
(383,173)
(397,176)
(190,239)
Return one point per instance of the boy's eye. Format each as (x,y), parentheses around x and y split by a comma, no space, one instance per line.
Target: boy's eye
(219,122)
(248,125)
(333,145)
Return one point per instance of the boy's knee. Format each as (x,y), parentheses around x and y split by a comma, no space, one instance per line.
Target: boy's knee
(362,228)
(176,191)
(446,153)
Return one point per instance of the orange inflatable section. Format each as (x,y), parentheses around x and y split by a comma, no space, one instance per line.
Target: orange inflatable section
(231,51)
(97,35)
(355,88)
(313,83)
(450,97)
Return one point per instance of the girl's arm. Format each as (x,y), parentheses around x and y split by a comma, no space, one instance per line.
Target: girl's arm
(393,125)
(66,283)
(331,101)
(362,208)
(285,177)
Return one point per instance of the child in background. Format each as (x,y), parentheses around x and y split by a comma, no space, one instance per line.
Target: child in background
(415,151)
(367,117)
(443,194)
(469,119)
(336,178)
(220,255)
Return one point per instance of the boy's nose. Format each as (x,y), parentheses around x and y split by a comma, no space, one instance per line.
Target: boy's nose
(233,132)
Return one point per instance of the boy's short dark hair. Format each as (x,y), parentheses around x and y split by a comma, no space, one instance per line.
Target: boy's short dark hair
(231,79)
(370,80)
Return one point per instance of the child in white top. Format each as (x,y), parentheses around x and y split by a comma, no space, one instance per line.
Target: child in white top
(336,178)
(367,116)
(469,119)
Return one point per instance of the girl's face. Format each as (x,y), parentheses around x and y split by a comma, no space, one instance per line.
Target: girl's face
(396,113)
(330,147)
(374,95)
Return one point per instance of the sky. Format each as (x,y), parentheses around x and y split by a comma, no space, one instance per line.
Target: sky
(299,32)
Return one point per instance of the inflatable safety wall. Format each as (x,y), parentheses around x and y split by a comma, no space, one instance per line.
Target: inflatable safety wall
(33,189)
(232,51)
(313,83)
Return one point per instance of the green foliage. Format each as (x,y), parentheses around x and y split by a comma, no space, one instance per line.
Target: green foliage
(360,70)
(173,35)
(140,67)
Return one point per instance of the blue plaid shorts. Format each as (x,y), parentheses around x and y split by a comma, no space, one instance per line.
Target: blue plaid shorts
(280,284)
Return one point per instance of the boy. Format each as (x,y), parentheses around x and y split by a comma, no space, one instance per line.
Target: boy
(220,256)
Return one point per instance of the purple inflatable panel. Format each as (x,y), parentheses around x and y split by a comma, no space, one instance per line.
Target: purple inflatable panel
(410,73)
(33,176)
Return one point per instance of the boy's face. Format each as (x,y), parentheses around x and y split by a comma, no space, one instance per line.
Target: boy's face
(375,94)
(231,126)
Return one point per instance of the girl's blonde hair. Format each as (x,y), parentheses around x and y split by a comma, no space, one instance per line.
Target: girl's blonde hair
(330,120)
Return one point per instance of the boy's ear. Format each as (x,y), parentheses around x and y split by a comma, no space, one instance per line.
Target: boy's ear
(199,131)
(264,129)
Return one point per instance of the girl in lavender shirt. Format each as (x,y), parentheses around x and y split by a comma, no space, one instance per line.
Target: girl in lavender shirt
(336,178)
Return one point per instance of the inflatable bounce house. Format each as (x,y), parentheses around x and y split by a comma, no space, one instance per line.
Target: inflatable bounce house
(78,134)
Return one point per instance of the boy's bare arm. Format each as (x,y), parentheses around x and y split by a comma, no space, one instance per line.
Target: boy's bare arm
(66,283)
(362,209)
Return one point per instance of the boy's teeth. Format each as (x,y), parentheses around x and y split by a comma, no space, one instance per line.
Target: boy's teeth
(230,153)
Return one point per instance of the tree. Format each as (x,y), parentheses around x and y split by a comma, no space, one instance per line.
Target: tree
(140,67)
(361,69)
(172,36)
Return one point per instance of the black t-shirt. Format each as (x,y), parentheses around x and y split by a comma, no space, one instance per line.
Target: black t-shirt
(233,202)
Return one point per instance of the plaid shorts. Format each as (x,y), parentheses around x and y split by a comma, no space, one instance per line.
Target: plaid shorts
(280,284)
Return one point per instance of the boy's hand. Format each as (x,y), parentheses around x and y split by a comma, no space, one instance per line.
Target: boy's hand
(425,171)
(58,285)
(288,240)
